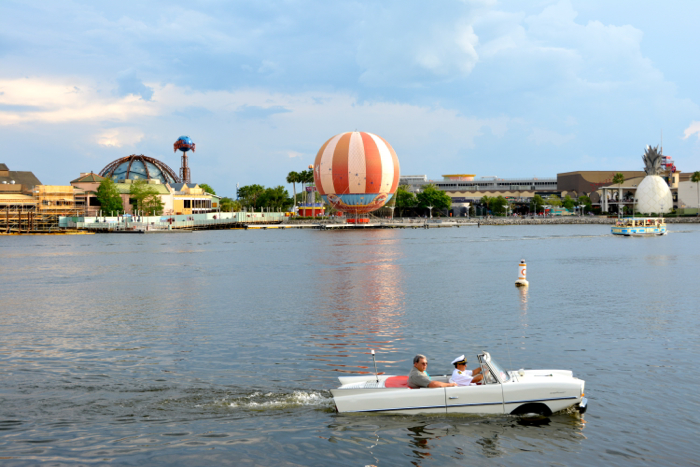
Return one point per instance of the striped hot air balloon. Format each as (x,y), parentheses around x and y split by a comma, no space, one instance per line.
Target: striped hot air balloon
(356,172)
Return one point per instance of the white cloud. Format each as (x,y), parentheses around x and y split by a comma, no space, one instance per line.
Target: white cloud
(62,100)
(118,137)
(693,129)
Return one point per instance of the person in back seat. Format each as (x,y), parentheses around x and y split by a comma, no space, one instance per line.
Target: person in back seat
(418,378)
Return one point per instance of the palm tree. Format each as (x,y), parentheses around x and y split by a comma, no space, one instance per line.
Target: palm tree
(619,179)
(696,179)
(306,177)
(294,178)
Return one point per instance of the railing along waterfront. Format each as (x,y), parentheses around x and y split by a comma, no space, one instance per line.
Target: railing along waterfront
(163,226)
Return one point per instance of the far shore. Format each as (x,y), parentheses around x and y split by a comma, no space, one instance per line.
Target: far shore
(503,220)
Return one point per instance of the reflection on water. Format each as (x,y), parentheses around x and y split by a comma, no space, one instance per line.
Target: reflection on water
(523,299)
(446,439)
(361,292)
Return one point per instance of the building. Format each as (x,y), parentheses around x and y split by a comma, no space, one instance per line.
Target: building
(177,197)
(189,198)
(139,167)
(688,195)
(615,198)
(28,206)
(588,182)
(465,190)
(86,192)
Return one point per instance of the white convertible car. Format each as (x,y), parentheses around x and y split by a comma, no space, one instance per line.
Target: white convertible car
(512,392)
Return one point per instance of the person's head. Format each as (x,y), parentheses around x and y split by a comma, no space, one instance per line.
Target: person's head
(420,362)
(460,363)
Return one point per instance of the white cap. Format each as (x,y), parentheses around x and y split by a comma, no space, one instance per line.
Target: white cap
(459,359)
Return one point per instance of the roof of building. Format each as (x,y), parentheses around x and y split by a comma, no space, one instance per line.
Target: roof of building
(17,198)
(20,178)
(86,178)
(3,166)
(179,186)
(139,167)
(627,184)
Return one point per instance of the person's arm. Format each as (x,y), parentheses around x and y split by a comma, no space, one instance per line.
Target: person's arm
(438,384)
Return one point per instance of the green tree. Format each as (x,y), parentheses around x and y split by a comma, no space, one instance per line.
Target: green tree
(553,200)
(568,203)
(294,178)
(230,205)
(537,203)
(585,201)
(146,198)
(498,205)
(109,198)
(276,198)
(207,188)
(431,196)
(249,195)
(695,178)
(306,177)
(404,199)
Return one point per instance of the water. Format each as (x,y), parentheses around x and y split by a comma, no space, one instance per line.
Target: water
(218,348)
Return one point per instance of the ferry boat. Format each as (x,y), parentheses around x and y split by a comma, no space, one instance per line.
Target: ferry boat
(639,226)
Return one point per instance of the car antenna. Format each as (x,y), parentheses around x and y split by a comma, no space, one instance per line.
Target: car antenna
(508,347)
(376,375)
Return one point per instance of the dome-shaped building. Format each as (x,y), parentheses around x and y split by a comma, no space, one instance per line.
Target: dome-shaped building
(139,167)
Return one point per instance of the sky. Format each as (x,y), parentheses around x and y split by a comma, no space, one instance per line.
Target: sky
(492,88)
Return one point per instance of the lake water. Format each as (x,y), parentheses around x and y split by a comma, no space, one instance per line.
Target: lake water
(218,348)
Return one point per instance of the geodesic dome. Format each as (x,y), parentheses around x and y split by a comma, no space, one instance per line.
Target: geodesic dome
(139,167)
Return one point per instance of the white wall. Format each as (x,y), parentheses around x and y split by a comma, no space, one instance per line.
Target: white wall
(688,195)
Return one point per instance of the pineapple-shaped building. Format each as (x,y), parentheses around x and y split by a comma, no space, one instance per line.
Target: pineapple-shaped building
(653,194)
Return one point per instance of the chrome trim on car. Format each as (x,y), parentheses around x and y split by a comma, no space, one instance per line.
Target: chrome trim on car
(475,404)
(542,400)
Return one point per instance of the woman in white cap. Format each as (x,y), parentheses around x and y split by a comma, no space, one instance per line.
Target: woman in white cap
(462,376)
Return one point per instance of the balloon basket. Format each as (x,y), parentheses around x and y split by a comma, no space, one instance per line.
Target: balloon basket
(361,220)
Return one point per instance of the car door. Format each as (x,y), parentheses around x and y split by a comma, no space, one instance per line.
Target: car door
(485,398)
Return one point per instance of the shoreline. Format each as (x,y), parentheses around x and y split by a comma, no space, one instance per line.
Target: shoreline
(418,222)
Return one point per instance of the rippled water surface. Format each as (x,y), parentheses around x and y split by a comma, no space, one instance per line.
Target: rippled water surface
(218,348)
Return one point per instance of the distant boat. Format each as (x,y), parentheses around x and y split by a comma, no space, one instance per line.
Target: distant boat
(639,226)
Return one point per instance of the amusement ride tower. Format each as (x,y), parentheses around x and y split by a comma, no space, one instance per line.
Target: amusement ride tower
(184,144)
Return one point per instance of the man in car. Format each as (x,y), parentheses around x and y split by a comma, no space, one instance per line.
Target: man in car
(462,376)
(418,378)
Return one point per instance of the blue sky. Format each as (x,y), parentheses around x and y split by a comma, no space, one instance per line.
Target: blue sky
(506,88)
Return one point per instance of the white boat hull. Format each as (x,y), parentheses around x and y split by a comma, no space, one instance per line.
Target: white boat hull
(541,391)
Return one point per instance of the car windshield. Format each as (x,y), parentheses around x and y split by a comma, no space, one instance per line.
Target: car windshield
(503,374)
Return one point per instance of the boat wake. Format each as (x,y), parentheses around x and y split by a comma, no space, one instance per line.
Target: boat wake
(263,401)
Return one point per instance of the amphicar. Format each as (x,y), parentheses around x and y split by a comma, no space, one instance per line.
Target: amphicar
(502,392)
(639,226)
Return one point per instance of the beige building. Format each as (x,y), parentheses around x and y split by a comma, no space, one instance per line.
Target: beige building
(86,193)
(189,198)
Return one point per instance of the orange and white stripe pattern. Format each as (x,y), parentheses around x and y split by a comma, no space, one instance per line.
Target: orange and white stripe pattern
(356,163)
